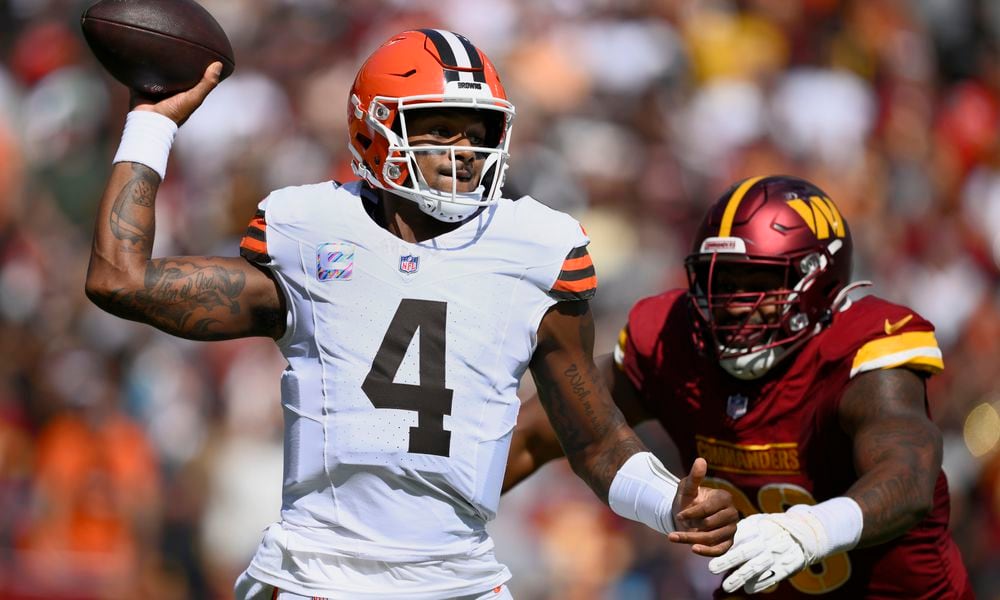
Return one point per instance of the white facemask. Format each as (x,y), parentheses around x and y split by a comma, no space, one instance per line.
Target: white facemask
(450,205)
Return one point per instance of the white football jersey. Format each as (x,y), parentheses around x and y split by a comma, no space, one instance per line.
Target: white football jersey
(404,361)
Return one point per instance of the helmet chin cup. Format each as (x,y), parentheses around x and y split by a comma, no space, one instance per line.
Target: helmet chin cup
(752,365)
(757,362)
(447,210)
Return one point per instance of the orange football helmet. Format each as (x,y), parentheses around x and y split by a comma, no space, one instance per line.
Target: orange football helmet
(781,230)
(426,68)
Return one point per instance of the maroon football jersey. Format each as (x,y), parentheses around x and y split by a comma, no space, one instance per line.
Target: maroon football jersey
(776,441)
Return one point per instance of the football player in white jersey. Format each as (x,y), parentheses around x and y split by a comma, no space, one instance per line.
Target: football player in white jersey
(408,304)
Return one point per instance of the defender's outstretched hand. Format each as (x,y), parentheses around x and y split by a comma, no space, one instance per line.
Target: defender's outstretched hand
(771,547)
(180,106)
(705,517)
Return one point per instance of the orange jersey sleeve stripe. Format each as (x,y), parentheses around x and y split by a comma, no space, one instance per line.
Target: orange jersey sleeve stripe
(576,264)
(577,280)
(581,285)
(254,245)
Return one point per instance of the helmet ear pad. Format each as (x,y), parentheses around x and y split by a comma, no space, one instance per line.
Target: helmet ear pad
(768,222)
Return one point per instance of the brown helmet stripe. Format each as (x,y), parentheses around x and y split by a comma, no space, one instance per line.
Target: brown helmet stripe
(474,60)
(445,52)
(459,56)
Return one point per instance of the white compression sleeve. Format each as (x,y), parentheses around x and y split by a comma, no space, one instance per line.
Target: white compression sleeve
(146,140)
(841,520)
(643,490)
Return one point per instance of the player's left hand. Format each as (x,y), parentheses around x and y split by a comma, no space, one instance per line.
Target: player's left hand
(704,517)
(767,549)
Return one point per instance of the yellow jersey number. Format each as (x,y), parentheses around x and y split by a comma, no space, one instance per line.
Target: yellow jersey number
(820,578)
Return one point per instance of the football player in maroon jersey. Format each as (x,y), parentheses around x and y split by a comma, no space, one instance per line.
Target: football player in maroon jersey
(809,407)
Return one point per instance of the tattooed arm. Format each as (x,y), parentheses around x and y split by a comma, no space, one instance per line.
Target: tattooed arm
(590,428)
(203,298)
(897,451)
(534,442)
(601,447)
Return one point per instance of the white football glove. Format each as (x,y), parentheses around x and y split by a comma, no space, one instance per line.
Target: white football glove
(768,548)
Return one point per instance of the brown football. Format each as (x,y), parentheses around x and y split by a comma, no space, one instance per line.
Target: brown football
(157,47)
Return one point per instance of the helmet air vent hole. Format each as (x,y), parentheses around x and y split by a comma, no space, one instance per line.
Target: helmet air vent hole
(365,141)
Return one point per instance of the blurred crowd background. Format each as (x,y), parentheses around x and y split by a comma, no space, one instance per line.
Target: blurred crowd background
(134,465)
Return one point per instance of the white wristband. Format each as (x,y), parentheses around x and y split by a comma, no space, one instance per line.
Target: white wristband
(146,140)
(643,490)
(842,522)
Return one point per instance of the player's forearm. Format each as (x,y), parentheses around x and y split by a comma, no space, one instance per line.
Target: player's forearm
(599,462)
(899,467)
(898,463)
(599,444)
(123,236)
(126,217)
(591,430)
(193,297)
(897,451)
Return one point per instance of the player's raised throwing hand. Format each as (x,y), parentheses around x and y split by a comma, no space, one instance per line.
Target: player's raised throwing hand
(180,106)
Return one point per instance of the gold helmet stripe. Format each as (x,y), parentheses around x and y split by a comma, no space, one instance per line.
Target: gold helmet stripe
(726,229)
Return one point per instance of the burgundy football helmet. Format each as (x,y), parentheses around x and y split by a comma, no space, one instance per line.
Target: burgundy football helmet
(770,265)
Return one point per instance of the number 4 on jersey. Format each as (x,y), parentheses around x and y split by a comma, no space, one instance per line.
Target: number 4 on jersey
(430,399)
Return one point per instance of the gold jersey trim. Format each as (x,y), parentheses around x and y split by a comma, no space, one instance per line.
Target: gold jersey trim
(914,349)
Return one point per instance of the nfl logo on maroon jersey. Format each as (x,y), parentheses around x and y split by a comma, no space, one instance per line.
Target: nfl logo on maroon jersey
(409,264)
(736,406)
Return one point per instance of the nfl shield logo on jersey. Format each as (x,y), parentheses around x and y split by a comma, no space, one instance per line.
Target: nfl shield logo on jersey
(409,264)
(736,406)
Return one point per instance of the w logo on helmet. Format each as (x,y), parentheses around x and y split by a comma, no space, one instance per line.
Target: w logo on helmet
(820,215)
